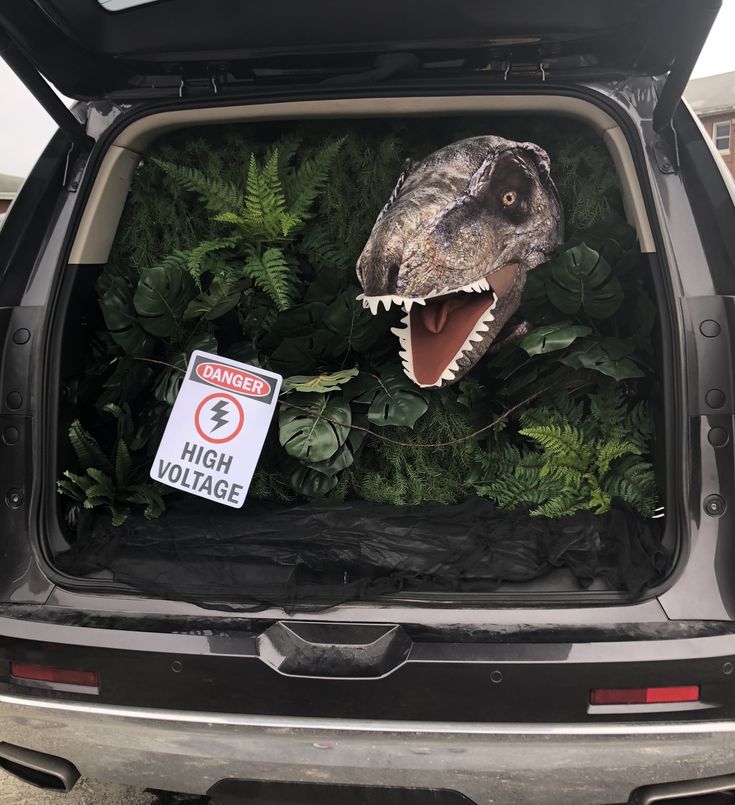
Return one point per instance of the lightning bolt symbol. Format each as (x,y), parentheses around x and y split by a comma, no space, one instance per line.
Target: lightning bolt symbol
(218,414)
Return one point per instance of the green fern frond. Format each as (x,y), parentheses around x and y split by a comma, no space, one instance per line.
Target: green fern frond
(217,195)
(147,495)
(560,505)
(122,463)
(632,479)
(563,442)
(310,177)
(607,452)
(272,274)
(87,449)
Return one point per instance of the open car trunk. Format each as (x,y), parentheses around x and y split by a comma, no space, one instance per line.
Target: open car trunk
(538,478)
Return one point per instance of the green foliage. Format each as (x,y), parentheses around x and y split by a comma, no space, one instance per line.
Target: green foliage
(388,473)
(237,244)
(393,399)
(579,456)
(323,383)
(314,428)
(581,279)
(107,481)
(162,296)
(551,337)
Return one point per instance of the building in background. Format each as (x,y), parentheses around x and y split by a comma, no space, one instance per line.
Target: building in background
(9,187)
(713,100)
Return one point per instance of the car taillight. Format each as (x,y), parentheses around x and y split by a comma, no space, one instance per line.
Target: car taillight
(667,695)
(63,676)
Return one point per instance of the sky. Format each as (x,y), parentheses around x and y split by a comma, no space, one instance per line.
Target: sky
(25,128)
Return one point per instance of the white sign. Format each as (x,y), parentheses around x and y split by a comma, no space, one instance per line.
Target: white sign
(216,430)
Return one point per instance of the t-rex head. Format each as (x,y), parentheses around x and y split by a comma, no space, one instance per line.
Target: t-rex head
(452,246)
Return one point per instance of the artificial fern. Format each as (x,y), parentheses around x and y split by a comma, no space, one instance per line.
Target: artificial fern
(576,457)
(271,272)
(217,194)
(260,220)
(108,482)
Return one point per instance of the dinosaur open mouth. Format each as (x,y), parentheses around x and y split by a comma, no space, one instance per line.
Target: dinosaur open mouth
(439,329)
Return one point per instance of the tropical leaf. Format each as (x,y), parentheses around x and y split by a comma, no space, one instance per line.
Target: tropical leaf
(216,194)
(322,383)
(552,337)
(354,327)
(394,400)
(166,388)
(87,449)
(221,297)
(582,280)
(610,356)
(121,319)
(162,296)
(315,430)
(271,273)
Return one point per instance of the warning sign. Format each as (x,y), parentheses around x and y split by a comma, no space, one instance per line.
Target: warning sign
(216,430)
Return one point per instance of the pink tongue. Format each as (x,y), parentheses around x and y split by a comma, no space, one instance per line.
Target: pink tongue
(434,315)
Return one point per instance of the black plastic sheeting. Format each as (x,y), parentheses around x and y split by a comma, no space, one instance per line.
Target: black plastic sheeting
(315,556)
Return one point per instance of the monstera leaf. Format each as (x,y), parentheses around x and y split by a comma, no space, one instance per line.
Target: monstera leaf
(315,430)
(169,380)
(303,353)
(320,383)
(221,296)
(393,399)
(311,483)
(116,303)
(162,296)
(582,280)
(354,327)
(551,337)
(610,356)
(295,322)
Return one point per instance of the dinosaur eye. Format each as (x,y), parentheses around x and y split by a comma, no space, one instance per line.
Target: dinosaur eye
(509,198)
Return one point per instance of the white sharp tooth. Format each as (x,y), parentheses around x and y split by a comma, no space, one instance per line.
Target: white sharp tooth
(488,318)
(484,284)
(482,327)
(406,320)
(420,302)
(359,297)
(374,304)
(386,300)
(365,303)
(400,332)
(475,337)
(447,374)
(407,305)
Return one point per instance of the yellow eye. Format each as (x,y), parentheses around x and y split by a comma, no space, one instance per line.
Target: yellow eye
(509,198)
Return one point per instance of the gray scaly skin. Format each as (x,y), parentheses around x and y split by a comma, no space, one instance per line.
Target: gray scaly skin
(472,218)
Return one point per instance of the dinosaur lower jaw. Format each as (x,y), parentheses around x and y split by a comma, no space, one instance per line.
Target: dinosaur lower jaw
(440,334)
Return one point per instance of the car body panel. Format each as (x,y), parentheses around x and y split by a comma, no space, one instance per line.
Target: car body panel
(487,763)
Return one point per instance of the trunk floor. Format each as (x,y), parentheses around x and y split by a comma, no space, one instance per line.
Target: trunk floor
(316,556)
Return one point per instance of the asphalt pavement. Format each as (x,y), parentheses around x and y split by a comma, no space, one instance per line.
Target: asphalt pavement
(87,792)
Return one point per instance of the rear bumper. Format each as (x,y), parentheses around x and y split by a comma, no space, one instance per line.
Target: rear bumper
(488,763)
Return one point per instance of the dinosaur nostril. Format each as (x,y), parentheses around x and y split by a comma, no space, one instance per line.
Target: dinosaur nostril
(392,280)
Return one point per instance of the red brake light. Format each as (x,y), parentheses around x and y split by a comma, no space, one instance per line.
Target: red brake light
(42,673)
(668,695)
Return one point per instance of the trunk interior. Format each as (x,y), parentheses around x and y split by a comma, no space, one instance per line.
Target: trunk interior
(404,521)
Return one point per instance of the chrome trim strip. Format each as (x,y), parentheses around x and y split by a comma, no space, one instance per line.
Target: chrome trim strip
(355,725)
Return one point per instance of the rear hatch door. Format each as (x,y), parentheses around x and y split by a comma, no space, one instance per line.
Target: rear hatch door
(114,48)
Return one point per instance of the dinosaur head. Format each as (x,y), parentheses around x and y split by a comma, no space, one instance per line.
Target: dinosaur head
(452,247)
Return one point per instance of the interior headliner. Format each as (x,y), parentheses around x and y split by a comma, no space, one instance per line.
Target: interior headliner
(101,217)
